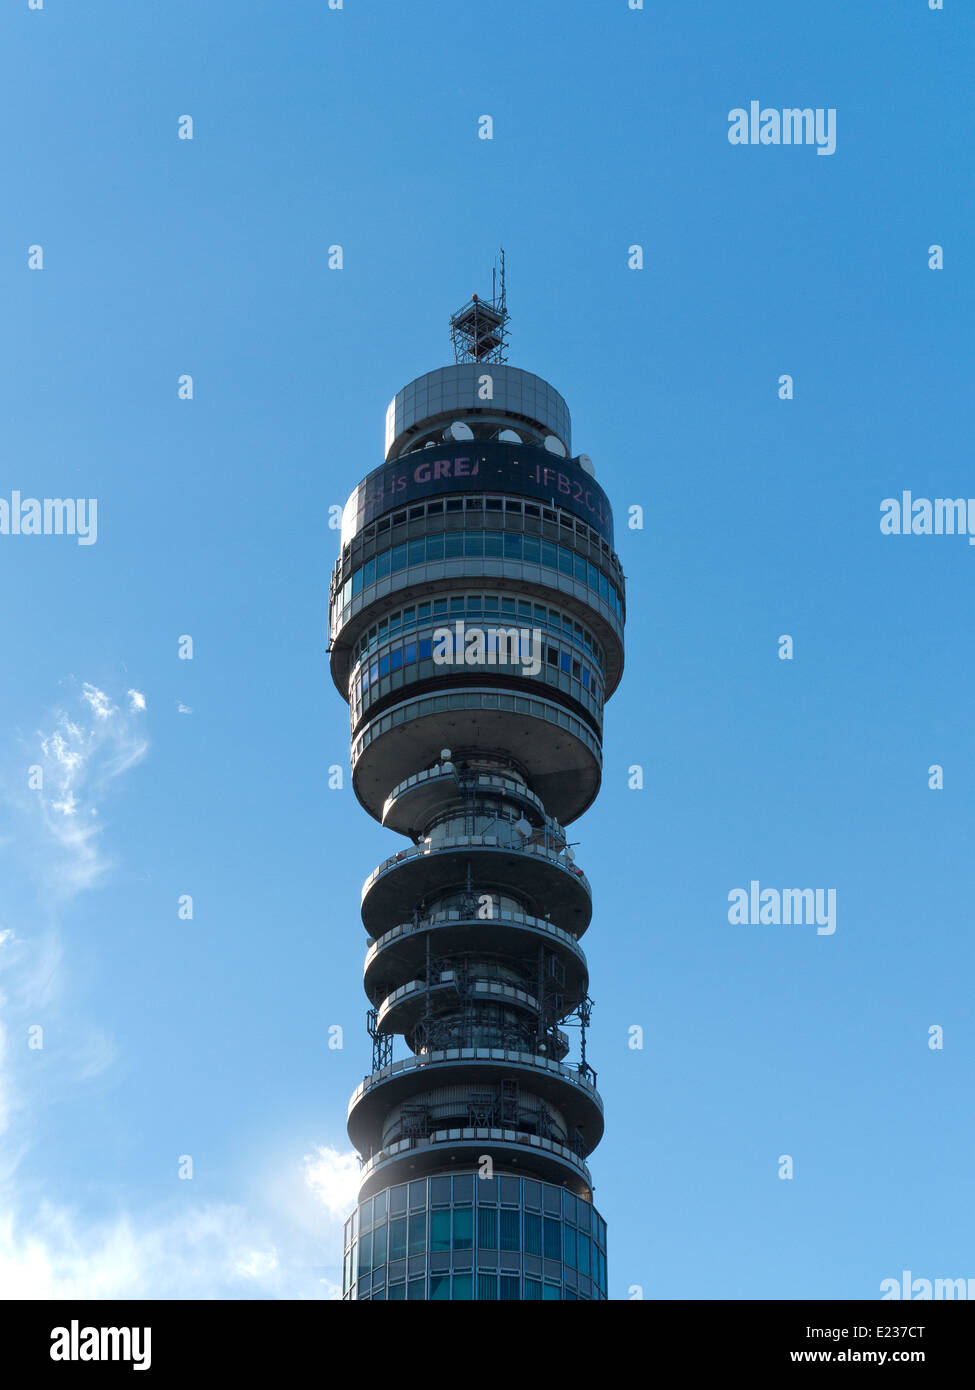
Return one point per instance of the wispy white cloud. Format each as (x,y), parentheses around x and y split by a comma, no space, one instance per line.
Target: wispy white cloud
(286,1243)
(77,760)
(52,851)
(6,1100)
(99,701)
(209,1251)
(333,1176)
(183,709)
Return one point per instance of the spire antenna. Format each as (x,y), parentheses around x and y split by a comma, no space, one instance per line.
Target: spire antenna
(479,330)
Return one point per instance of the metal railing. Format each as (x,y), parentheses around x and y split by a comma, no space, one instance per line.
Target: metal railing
(478,1054)
(527,847)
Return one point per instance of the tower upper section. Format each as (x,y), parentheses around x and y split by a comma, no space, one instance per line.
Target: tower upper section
(479,513)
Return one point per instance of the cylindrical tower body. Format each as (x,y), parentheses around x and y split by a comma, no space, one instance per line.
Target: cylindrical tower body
(476,623)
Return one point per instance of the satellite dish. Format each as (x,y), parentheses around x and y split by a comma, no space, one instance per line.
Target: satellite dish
(585,463)
(555,446)
(523,827)
(510,437)
(445,754)
(569,854)
(429,444)
(458,430)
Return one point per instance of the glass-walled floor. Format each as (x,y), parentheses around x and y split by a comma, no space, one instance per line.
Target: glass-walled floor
(463,1236)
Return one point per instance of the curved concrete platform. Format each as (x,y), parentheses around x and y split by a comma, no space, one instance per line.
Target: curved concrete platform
(550,885)
(576,1099)
(559,752)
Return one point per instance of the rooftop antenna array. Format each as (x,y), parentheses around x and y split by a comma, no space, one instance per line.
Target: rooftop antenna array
(479,330)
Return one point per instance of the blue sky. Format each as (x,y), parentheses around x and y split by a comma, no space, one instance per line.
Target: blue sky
(209,1038)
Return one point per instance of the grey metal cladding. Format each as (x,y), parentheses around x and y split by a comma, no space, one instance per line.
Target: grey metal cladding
(459,388)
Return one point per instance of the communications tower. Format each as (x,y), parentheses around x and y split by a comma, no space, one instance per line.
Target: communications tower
(476,630)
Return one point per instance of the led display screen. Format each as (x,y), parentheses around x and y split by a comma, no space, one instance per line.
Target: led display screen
(478,466)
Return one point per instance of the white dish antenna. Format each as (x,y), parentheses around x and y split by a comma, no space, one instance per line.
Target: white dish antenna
(510,437)
(555,446)
(458,430)
(585,463)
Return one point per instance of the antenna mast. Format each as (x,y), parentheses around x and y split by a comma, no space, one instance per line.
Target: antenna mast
(479,330)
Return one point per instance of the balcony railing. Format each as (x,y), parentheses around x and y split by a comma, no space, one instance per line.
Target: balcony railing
(480,781)
(435,919)
(541,851)
(574,1076)
(453,1136)
(497,989)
